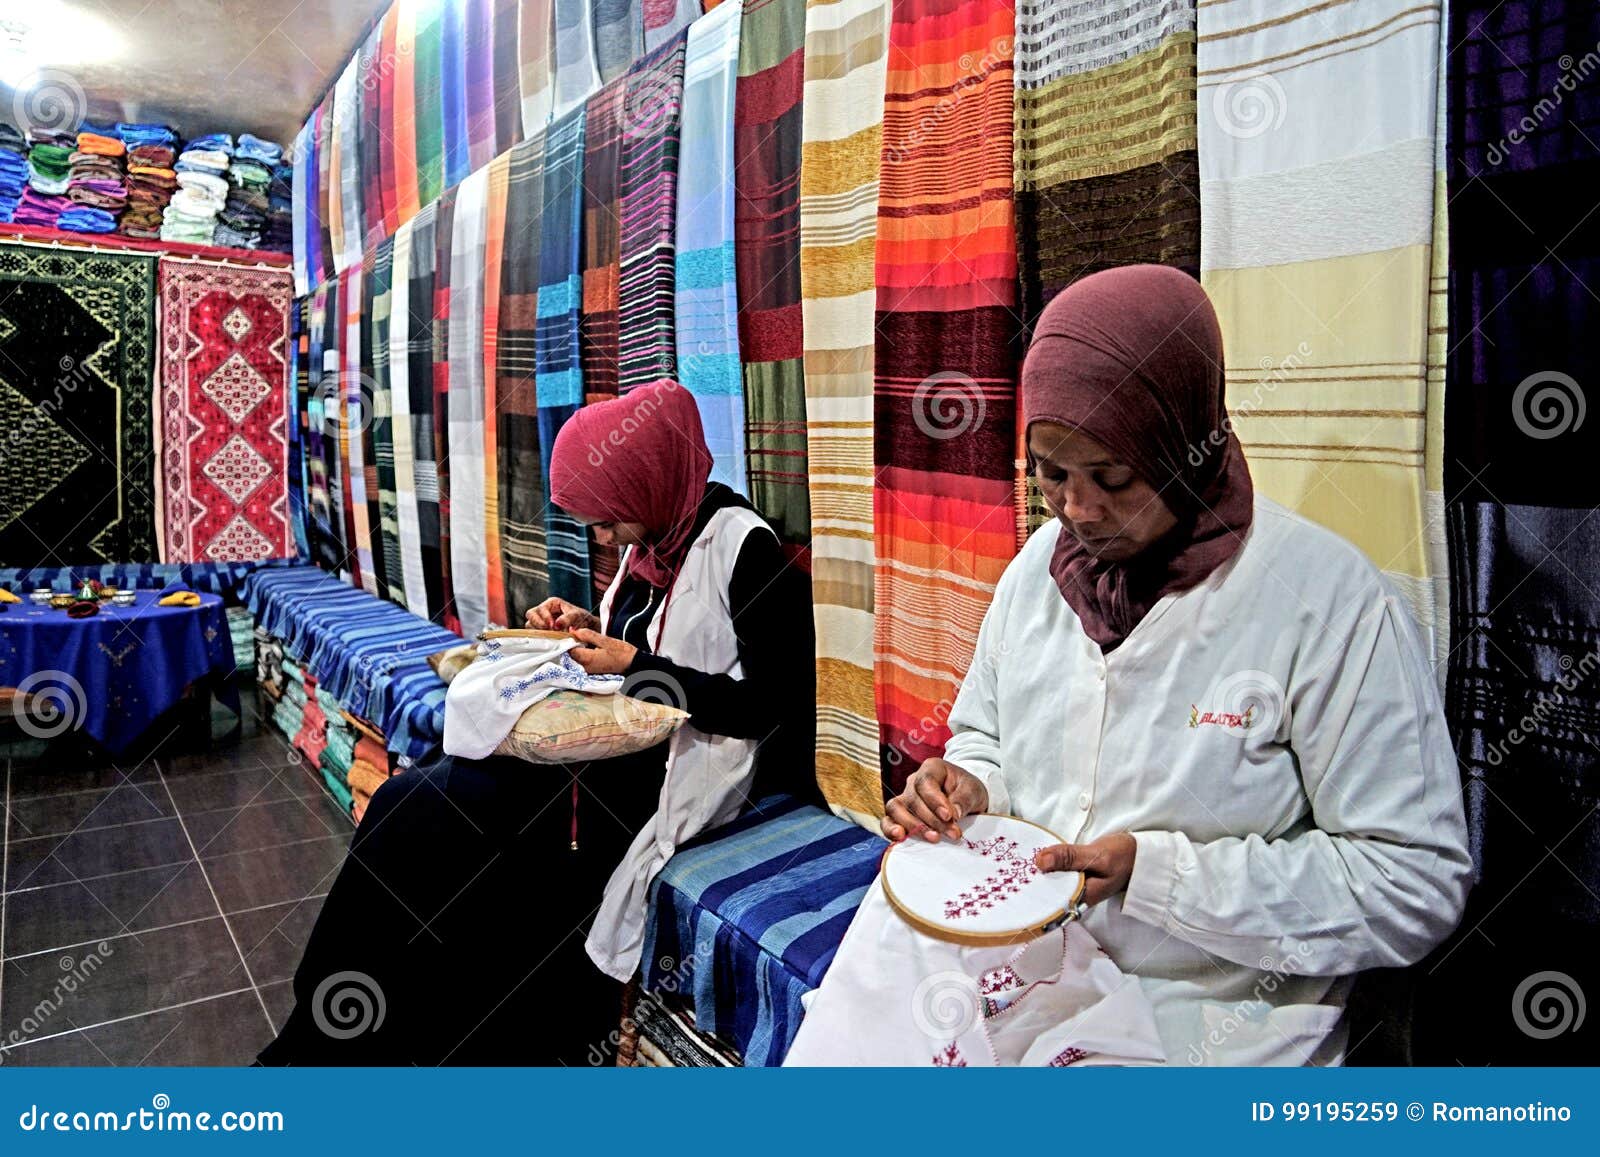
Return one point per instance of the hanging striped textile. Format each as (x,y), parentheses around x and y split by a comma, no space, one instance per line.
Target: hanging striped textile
(618,36)
(1434,515)
(947,342)
(453,86)
(347,143)
(423,261)
(328,196)
(469,577)
(559,373)
(664,19)
(371,132)
(1106,172)
(389,177)
(428,60)
(651,115)
(404,127)
(847,44)
(767,183)
(299,393)
(507,80)
(366,379)
(575,73)
(322,441)
(707,305)
(1317,160)
(535,58)
(494,241)
(354,418)
(527,575)
(443,274)
(381,293)
(479,56)
(303,193)
(408,527)
(602,240)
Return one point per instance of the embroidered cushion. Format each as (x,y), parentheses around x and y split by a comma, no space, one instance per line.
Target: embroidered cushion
(571,727)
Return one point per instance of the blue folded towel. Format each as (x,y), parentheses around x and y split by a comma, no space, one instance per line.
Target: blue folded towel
(218,142)
(86,219)
(255,149)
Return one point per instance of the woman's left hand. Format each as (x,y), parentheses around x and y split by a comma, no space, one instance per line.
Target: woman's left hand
(601,654)
(1106,864)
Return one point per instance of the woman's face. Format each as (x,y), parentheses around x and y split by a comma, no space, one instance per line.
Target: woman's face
(615,533)
(1112,511)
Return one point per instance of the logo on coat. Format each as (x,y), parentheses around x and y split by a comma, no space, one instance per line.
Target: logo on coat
(1199,718)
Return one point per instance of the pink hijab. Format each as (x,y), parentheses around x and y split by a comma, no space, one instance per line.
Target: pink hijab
(1133,358)
(638,458)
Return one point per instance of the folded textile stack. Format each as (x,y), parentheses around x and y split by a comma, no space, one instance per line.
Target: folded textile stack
(243,218)
(286,716)
(368,771)
(49,164)
(312,738)
(38,208)
(13,169)
(95,182)
(333,774)
(152,149)
(201,174)
(342,743)
(269,661)
(279,234)
(241,633)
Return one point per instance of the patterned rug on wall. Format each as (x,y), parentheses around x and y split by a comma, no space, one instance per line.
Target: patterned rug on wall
(223,439)
(76,467)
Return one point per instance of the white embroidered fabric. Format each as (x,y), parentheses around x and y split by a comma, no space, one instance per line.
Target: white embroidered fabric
(490,694)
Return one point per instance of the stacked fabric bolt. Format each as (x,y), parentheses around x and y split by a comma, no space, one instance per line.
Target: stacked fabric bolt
(13,169)
(38,208)
(241,631)
(95,183)
(368,771)
(49,164)
(152,149)
(269,660)
(243,219)
(279,234)
(202,179)
(312,738)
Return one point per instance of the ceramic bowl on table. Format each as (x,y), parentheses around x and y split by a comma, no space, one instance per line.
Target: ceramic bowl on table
(123,598)
(107,593)
(40,595)
(61,602)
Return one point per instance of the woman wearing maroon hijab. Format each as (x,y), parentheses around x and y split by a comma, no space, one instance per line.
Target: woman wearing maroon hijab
(473,885)
(1224,709)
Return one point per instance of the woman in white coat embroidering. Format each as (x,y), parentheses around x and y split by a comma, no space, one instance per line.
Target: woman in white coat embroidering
(494,906)
(1224,708)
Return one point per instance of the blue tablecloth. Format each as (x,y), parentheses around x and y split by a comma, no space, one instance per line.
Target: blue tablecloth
(116,672)
(759,907)
(218,578)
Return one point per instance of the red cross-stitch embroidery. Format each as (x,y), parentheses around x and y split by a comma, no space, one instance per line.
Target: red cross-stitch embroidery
(1068,1056)
(999,980)
(949,1057)
(1014,868)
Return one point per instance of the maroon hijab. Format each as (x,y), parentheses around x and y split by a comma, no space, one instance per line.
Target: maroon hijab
(1133,358)
(638,458)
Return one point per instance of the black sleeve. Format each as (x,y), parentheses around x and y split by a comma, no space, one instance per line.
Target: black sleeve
(770,601)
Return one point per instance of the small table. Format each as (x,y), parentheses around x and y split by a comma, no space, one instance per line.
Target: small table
(114,673)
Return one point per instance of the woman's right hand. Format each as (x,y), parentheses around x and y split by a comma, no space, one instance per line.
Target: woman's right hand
(559,615)
(935,798)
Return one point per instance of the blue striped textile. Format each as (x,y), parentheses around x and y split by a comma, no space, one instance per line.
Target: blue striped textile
(760,906)
(369,654)
(208,578)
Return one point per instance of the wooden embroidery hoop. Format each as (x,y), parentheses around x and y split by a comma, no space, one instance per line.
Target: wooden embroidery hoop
(1021,934)
(523,633)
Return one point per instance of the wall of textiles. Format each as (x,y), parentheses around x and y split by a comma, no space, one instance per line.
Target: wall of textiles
(144,409)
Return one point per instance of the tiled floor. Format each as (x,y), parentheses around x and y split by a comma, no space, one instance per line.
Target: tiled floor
(154,914)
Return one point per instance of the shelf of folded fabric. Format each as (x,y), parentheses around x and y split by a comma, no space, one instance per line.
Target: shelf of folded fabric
(13,231)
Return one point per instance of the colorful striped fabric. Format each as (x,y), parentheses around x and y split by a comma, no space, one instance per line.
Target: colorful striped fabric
(1434,516)
(388,174)
(1318,222)
(521,486)
(494,241)
(407,198)
(535,56)
(299,393)
(946,359)
(428,59)
(341,537)
(759,906)
(453,91)
(664,19)
(214,578)
(347,137)
(618,36)
(326,202)
(381,292)
(357,418)
(651,114)
(322,410)
(469,578)
(372,134)
(707,305)
(559,373)
(847,44)
(443,271)
(408,525)
(369,655)
(423,261)
(365,425)
(506,86)
(575,73)
(304,193)
(767,118)
(479,63)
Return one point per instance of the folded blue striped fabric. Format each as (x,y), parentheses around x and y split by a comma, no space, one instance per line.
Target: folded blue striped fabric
(369,654)
(746,919)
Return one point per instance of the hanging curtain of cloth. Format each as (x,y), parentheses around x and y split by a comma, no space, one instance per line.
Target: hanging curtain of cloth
(373,135)
(348,377)
(706,281)
(1317,160)
(618,36)
(1106,166)
(521,486)
(299,393)
(479,56)
(307,262)
(320,430)
(1524,671)
(947,340)
(494,241)
(443,277)
(469,576)
(454,91)
(507,89)
(430,115)
(421,360)
(388,162)
(664,19)
(576,75)
(363,415)
(535,63)
(327,197)
(560,385)
(347,110)
(404,127)
(380,340)
(847,43)
(651,124)
(407,521)
(767,144)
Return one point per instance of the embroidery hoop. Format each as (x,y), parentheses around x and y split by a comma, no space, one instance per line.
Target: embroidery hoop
(1032,923)
(523,633)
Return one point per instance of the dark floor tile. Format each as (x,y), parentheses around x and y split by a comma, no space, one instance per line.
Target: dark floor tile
(273,939)
(53,777)
(124,976)
(263,825)
(236,787)
(280,1002)
(43,918)
(276,875)
(226,1030)
(48,815)
(98,852)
